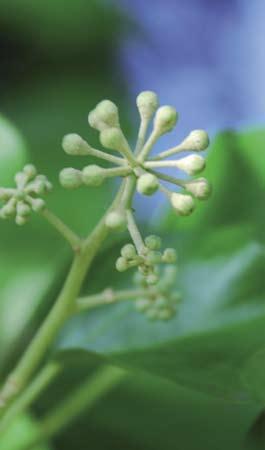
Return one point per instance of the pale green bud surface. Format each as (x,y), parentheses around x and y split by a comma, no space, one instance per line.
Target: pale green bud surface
(153,242)
(147,184)
(116,220)
(197,140)
(182,203)
(73,144)
(200,188)
(191,164)
(169,256)
(70,178)
(165,119)
(147,103)
(93,175)
(128,251)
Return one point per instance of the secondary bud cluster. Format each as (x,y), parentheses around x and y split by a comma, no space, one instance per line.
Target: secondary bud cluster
(147,260)
(159,302)
(20,201)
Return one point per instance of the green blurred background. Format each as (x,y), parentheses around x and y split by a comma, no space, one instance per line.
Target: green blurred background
(57,61)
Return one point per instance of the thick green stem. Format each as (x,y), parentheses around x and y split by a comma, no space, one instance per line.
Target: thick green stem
(36,387)
(63,308)
(82,399)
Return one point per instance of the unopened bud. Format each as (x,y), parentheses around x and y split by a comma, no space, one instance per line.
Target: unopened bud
(21,220)
(191,164)
(30,171)
(73,144)
(197,140)
(121,264)
(70,178)
(182,203)
(115,220)
(37,204)
(128,251)
(147,184)
(165,119)
(93,175)
(105,115)
(169,256)
(200,188)
(147,103)
(152,279)
(154,257)
(153,242)
(23,209)
(113,139)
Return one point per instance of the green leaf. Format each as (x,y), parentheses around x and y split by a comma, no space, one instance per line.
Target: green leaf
(19,433)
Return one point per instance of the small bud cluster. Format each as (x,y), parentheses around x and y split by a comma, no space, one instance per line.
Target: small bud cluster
(105,119)
(19,202)
(147,260)
(159,302)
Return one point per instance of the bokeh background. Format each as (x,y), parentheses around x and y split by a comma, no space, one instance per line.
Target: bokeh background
(57,60)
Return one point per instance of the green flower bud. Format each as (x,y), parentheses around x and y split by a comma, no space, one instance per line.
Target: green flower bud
(37,204)
(30,171)
(73,144)
(20,179)
(165,314)
(191,164)
(152,278)
(70,178)
(121,264)
(169,256)
(182,203)
(165,119)
(113,139)
(105,115)
(115,220)
(153,242)
(197,141)
(200,188)
(6,194)
(154,257)
(142,304)
(9,208)
(147,103)
(23,209)
(147,184)
(93,175)
(21,220)
(128,251)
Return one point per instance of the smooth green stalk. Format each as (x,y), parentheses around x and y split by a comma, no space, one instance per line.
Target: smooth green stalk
(141,136)
(36,387)
(148,146)
(106,156)
(82,399)
(169,152)
(134,232)
(107,297)
(63,229)
(63,308)
(170,179)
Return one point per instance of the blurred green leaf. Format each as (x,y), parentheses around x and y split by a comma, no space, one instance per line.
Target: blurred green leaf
(19,433)
(13,151)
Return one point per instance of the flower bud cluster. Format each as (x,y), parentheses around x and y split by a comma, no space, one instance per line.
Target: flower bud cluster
(159,302)
(105,119)
(19,202)
(147,260)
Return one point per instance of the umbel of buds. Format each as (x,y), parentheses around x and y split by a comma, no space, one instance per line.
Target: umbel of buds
(136,162)
(20,201)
